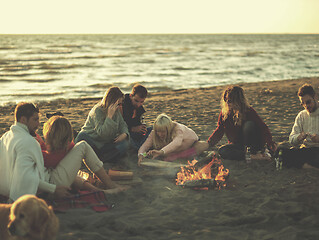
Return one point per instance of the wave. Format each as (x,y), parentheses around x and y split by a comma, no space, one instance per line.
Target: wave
(8,48)
(58,66)
(35,94)
(101,85)
(183,69)
(48,51)
(165,74)
(17,68)
(30,80)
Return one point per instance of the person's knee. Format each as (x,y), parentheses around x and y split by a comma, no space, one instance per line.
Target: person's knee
(81,145)
(123,147)
(222,151)
(81,136)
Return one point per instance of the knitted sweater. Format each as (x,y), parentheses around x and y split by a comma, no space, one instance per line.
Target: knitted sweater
(305,122)
(102,129)
(232,131)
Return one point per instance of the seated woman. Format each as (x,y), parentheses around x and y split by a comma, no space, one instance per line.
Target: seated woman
(171,140)
(242,126)
(63,158)
(104,129)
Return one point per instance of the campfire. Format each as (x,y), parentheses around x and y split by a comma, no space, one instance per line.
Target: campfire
(212,175)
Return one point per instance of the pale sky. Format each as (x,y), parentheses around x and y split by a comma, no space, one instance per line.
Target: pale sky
(158,16)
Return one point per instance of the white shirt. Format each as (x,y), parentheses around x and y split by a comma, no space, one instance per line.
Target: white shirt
(22,169)
(305,122)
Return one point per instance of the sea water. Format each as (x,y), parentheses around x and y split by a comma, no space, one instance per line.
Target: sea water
(47,67)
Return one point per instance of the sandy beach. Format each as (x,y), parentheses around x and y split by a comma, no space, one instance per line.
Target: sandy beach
(258,202)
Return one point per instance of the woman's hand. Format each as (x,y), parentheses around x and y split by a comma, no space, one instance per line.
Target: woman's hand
(155,153)
(140,159)
(112,109)
(120,138)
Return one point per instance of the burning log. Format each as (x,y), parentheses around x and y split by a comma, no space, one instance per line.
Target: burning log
(210,175)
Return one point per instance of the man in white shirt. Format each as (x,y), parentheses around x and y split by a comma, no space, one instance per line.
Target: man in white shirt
(306,128)
(305,132)
(22,169)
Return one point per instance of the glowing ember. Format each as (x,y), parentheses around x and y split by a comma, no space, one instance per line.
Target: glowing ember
(214,171)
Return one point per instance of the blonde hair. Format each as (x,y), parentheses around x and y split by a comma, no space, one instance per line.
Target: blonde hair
(58,133)
(235,96)
(111,96)
(163,123)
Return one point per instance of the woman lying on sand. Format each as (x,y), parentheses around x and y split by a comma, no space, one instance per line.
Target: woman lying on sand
(105,130)
(242,126)
(59,151)
(171,140)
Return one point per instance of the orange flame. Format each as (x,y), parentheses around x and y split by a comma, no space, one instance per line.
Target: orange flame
(190,173)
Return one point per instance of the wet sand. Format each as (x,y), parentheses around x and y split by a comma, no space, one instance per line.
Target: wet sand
(258,202)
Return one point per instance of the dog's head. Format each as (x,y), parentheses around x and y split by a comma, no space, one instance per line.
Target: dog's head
(32,218)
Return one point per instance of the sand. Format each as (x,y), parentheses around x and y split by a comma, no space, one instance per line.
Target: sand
(258,202)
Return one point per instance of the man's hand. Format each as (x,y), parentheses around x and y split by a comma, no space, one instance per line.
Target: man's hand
(314,138)
(62,192)
(139,129)
(120,138)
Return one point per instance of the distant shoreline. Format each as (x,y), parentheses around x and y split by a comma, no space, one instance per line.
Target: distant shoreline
(24,34)
(159,92)
(276,102)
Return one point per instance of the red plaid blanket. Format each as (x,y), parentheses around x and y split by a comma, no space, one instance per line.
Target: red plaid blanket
(83,199)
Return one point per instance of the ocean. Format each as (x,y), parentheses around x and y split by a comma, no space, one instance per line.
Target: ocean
(48,67)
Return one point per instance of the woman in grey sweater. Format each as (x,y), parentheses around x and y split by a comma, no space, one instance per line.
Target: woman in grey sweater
(104,129)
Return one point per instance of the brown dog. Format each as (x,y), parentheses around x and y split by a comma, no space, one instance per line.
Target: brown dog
(28,218)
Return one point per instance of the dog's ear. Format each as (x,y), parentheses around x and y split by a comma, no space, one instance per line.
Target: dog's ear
(41,218)
(52,226)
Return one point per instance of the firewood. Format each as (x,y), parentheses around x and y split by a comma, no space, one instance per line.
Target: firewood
(160,164)
(119,175)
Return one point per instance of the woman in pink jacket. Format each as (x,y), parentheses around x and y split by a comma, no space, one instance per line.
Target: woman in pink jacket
(171,140)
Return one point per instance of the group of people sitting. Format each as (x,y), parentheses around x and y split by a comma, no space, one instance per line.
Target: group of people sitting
(32,165)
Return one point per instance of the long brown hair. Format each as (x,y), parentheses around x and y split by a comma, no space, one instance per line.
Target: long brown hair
(234,95)
(111,96)
(58,133)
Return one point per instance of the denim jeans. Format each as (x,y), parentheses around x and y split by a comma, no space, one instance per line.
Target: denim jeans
(250,137)
(122,146)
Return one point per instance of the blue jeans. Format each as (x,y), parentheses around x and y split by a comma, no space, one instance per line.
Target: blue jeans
(250,137)
(122,147)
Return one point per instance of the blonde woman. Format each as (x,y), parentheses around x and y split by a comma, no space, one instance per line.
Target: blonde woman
(63,158)
(170,140)
(104,129)
(242,126)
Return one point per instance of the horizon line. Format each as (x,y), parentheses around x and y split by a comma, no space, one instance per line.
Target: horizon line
(283,33)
